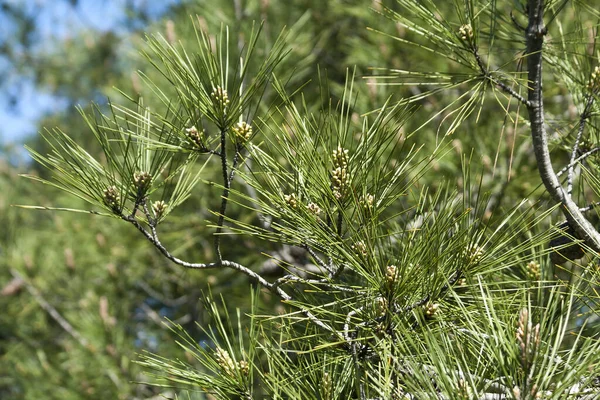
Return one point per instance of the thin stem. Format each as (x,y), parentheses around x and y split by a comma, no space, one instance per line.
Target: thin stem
(224,196)
(488,75)
(428,297)
(316,257)
(582,120)
(578,159)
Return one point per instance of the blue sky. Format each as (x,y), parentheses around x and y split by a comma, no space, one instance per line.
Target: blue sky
(21,102)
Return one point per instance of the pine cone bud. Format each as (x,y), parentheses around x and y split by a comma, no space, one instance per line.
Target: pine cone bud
(466,32)
(567,252)
(533,271)
(111,197)
(195,137)
(244,367)
(225,361)
(291,200)
(360,247)
(391,274)
(594,82)
(220,96)
(243,131)
(314,208)
(327,387)
(367,202)
(142,180)
(159,208)
(431,309)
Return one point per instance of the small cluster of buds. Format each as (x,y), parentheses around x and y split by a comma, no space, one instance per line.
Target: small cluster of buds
(464,390)
(360,247)
(291,200)
(159,208)
(340,178)
(313,208)
(195,137)
(226,362)
(528,337)
(326,387)
(244,367)
(431,309)
(111,197)
(473,254)
(141,180)
(340,157)
(367,201)
(533,393)
(594,82)
(381,306)
(466,32)
(533,271)
(391,274)
(243,131)
(220,96)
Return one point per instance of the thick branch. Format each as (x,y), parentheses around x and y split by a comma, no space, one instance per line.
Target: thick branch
(535,40)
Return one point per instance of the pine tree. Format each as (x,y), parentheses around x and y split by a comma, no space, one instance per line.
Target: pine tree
(397,287)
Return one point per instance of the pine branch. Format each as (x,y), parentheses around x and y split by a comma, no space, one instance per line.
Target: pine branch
(535,42)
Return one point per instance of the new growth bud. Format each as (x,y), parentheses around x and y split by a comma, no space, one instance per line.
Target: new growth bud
(243,131)
(220,96)
(340,178)
(195,137)
(466,32)
(291,200)
(111,197)
(159,208)
(594,82)
(141,180)
(224,360)
(313,208)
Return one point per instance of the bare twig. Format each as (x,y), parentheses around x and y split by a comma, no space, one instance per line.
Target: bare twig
(582,120)
(224,196)
(577,160)
(488,75)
